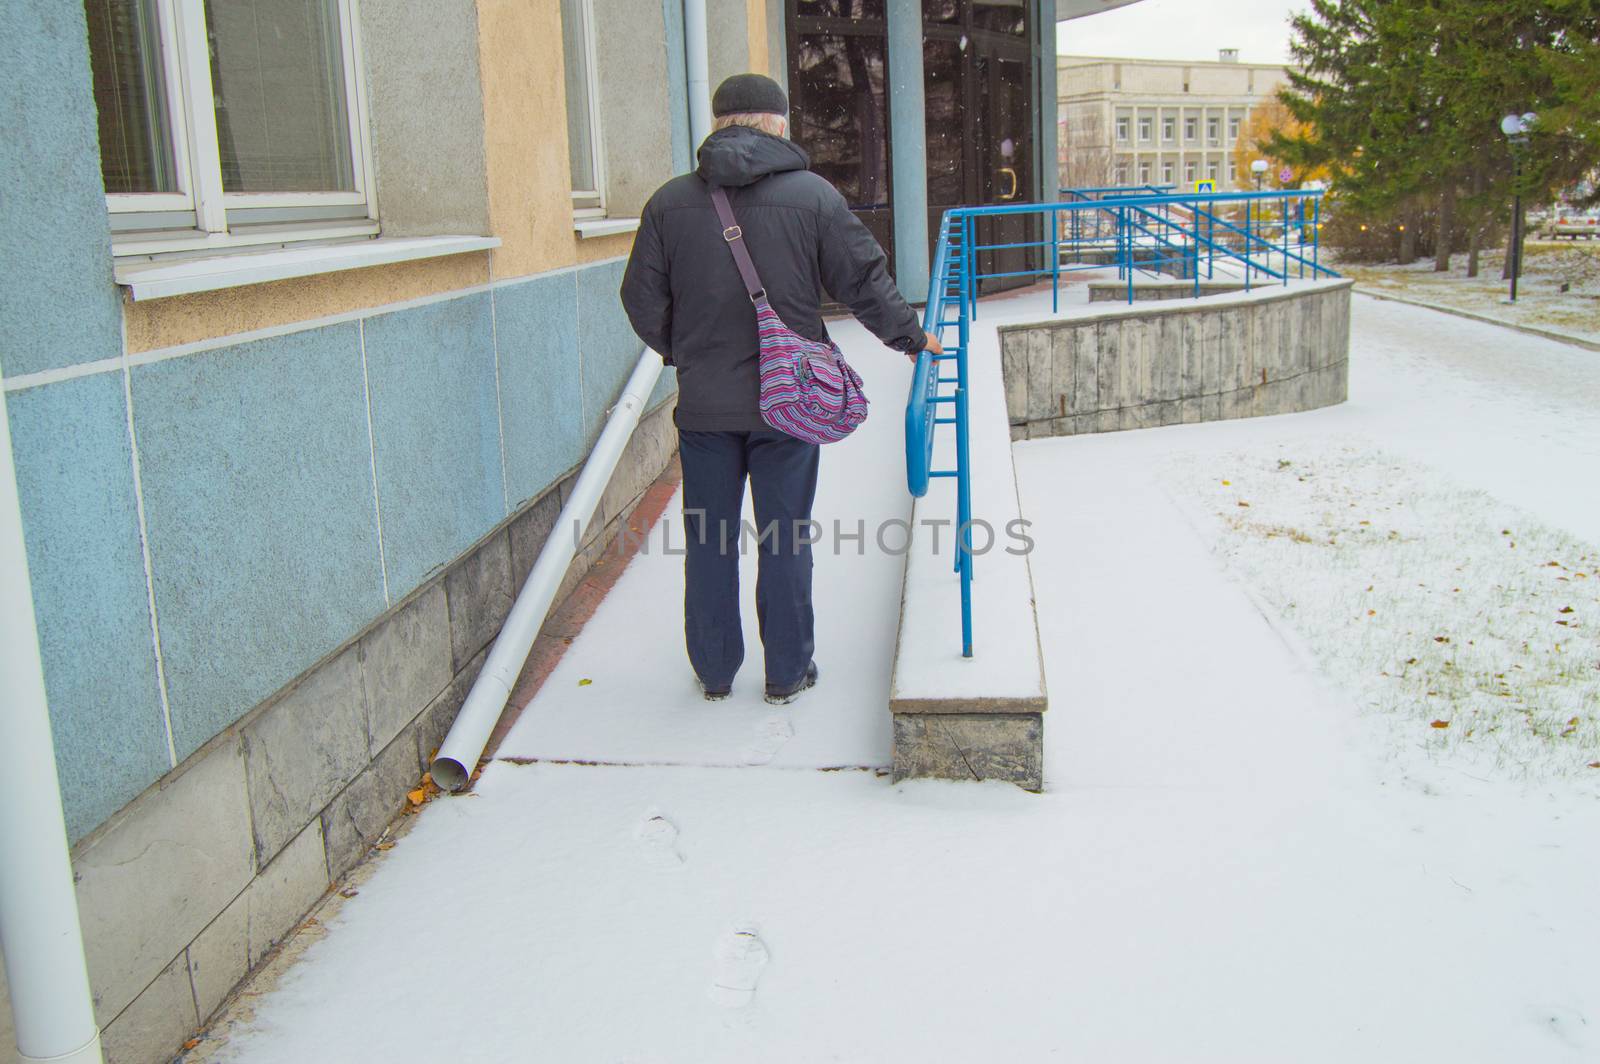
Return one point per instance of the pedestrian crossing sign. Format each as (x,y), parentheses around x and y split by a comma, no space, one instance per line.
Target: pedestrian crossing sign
(1208,185)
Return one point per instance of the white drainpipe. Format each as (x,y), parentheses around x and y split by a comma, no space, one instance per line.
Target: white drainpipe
(459,754)
(694,48)
(51,1005)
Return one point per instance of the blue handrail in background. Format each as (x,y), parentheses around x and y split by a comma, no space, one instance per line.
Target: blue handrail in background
(1143,229)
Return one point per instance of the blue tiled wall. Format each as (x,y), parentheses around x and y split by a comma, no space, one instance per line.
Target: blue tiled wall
(257,478)
(537,326)
(55,252)
(80,517)
(437,432)
(258,503)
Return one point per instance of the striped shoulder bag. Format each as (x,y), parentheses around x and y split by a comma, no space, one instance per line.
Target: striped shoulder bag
(808,390)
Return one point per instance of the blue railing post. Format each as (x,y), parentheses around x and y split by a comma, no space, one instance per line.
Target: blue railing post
(1055,262)
(1247,212)
(1127,231)
(1194,247)
(1285,215)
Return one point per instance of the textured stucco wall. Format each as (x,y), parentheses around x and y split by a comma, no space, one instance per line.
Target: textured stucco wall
(73,463)
(777,44)
(426,116)
(185,319)
(727,39)
(756,40)
(677,85)
(525,135)
(54,250)
(635,104)
(229,482)
(264,491)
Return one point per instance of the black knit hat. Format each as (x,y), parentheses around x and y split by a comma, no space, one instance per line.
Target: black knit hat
(749,94)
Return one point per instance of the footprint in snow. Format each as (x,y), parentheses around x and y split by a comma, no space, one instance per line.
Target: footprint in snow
(775,731)
(741,956)
(659,838)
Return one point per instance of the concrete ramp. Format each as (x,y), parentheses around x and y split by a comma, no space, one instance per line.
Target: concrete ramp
(979,717)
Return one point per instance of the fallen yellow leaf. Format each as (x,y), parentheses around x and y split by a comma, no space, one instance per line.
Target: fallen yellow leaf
(1440,724)
(585,682)
(417,795)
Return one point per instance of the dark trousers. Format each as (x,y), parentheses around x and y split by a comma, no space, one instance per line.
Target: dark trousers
(783,483)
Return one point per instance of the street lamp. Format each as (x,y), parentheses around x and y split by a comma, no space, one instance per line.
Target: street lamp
(1259,168)
(1516,127)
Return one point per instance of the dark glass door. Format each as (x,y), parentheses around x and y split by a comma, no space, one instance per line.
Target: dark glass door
(838,103)
(977,73)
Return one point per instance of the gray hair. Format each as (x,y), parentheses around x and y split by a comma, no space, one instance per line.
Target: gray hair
(777,125)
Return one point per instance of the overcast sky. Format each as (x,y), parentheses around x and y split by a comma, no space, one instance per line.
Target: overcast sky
(1184,29)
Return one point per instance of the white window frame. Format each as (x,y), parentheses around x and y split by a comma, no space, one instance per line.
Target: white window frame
(1169,130)
(1166,173)
(1211,171)
(591,203)
(1122,129)
(1191,172)
(1146,130)
(196,217)
(1191,130)
(1213,131)
(1233,128)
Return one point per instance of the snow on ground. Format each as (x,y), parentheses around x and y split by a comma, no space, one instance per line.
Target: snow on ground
(1546,267)
(1233,860)
(1465,624)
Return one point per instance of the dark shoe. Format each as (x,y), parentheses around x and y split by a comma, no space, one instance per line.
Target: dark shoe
(713,694)
(782,696)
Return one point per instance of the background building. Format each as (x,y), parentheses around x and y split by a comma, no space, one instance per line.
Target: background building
(1140,122)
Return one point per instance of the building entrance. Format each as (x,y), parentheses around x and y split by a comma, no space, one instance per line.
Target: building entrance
(979,92)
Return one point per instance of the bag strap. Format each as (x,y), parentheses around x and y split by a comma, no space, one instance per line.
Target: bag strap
(735,240)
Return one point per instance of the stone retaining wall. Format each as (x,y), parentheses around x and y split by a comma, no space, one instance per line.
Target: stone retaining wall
(1273,351)
(191,885)
(1147,290)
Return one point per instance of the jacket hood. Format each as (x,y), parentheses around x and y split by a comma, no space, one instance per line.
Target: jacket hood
(739,156)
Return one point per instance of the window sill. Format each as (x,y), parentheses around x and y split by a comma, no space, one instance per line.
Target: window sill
(157,280)
(588,228)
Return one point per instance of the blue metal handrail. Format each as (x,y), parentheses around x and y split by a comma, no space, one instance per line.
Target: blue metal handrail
(1158,217)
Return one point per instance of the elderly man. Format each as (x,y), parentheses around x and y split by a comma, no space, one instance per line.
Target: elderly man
(685,298)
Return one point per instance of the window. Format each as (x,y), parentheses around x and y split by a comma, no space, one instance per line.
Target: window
(1213,130)
(1191,172)
(1122,131)
(1169,130)
(1144,173)
(1144,130)
(1233,129)
(583,106)
(1122,174)
(1166,173)
(229,122)
(1211,171)
(1191,129)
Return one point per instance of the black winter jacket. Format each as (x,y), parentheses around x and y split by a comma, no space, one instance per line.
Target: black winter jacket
(682,290)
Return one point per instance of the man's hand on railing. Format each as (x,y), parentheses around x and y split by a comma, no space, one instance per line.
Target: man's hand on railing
(933,347)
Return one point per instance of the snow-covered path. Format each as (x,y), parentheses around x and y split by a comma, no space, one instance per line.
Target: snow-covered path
(1231,861)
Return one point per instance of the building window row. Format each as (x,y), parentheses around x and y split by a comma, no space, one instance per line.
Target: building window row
(1169,129)
(225,123)
(215,117)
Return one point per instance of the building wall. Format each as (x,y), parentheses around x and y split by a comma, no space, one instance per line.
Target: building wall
(282,462)
(271,529)
(1095,95)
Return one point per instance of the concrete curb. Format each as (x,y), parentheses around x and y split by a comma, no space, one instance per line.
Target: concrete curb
(1546,334)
